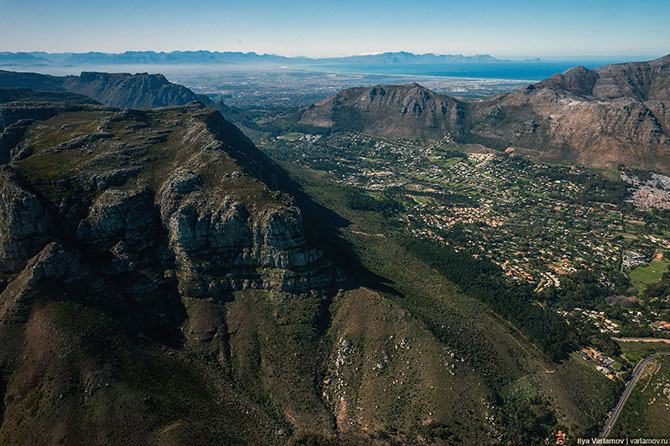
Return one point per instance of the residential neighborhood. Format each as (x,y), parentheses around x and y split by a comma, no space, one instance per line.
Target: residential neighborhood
(543,225)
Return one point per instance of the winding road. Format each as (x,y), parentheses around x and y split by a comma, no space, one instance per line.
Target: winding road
(637,372)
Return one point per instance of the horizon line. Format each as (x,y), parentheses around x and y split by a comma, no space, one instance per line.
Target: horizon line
(361,54)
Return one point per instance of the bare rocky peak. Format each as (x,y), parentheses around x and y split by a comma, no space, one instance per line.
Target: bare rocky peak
(579,81)
(409,110)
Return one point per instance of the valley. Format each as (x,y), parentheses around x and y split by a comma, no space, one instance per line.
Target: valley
(369,223)
(365,277)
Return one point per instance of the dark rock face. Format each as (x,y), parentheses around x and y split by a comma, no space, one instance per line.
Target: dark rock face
(52,265)
(122,225)
(25,225)
(10,137)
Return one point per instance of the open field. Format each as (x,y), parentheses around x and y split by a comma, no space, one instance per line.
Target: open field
(650,273)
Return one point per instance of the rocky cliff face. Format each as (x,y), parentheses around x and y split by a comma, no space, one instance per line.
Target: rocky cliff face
(603,117)
(149,193)
(149,217)
(393,110)
(25,222)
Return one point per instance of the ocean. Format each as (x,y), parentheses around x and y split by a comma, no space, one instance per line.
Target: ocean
(529,71)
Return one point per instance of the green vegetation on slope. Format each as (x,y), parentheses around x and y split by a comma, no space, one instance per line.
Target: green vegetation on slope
(482,279)
(579,396)
(647,411)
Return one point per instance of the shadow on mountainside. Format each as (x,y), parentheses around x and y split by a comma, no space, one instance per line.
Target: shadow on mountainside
(322,225)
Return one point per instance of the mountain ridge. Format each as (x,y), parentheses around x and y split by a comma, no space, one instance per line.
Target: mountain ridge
(604,117)
(226,57)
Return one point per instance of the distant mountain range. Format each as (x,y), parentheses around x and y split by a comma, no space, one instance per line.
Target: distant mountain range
(616,114)
(403,57)
(216,57)
(603,117)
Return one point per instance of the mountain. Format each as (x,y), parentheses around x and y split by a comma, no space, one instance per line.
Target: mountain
(116,90)
(616,114)
(227,57)
(403,57)
(125,234)
(604,117)
(175,57)
(398,111)
(164,282)
(21,59)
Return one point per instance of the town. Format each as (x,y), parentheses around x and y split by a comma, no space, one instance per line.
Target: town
(560,229)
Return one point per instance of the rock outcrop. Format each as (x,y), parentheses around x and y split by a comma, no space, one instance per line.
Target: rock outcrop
(25,226)
(157,200)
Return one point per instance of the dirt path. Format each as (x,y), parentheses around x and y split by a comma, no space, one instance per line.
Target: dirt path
(368,234)
(666,341)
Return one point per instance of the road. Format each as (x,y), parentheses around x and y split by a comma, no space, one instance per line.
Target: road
(637,372)
(667,341)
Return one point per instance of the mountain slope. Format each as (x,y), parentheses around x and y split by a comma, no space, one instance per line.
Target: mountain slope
(603,117)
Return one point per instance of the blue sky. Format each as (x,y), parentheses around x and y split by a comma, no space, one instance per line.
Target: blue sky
(514,28)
